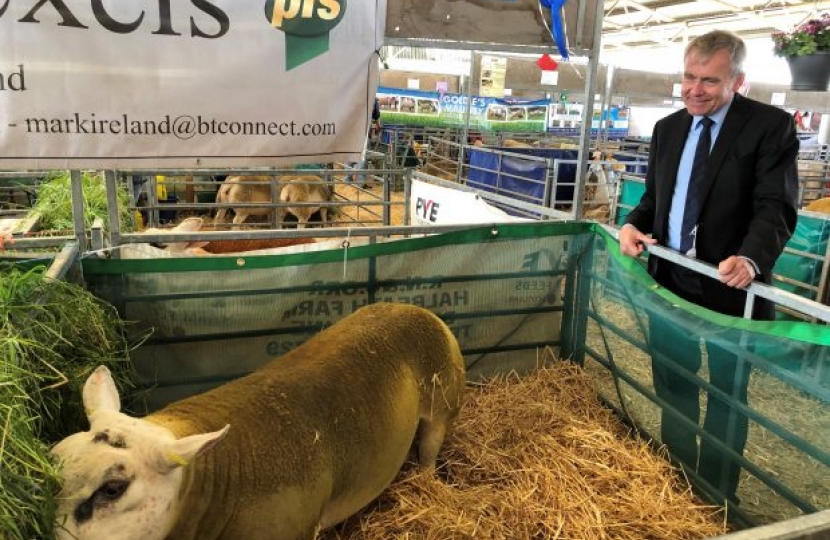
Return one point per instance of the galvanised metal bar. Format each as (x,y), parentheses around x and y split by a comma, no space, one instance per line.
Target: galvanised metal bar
(63,262)
(809,527)
(777,296)
(77,189)
(541,210)
(114,225)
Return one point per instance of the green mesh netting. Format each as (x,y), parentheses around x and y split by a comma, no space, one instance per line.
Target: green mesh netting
(799,267)
(507,292)
(798,270)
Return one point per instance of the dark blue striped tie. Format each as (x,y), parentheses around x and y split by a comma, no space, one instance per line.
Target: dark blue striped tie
(693,196)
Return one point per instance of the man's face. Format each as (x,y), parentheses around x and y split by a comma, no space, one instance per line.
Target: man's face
(708,83)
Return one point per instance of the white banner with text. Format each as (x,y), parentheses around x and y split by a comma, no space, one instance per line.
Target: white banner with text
(192,83)
(437,205)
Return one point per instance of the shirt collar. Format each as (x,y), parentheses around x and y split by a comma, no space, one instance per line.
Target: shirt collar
(717,116)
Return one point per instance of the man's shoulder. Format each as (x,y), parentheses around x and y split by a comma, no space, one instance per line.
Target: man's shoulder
(676,117)
(671,123)
(759,108)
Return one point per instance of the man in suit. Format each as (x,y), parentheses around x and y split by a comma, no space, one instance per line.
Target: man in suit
(731,203)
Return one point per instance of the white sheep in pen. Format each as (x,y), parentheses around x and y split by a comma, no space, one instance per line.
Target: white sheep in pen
(298,189)
(291,449)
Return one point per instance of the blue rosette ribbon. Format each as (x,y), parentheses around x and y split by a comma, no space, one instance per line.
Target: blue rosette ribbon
(557,26)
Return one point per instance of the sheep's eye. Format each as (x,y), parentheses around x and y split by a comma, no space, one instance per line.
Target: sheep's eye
(113,489)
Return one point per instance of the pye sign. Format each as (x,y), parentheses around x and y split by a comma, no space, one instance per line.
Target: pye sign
(427,209)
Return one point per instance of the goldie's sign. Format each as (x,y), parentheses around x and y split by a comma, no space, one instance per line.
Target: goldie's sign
(185,84)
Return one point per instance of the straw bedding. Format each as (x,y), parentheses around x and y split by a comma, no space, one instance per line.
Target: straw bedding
(538,457)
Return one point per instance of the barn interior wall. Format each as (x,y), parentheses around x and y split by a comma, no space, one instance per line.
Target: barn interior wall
(640,88)
(427,81)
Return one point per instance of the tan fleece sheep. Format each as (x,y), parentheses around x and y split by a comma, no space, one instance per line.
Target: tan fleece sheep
(821,206)
(297,446)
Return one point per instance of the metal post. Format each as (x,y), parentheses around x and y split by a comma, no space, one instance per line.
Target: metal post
(466,131)
(114,225)
(78,208)
(407,197)
(587,114)
(577,295)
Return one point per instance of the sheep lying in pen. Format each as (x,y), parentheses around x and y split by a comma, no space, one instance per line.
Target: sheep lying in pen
(293,448)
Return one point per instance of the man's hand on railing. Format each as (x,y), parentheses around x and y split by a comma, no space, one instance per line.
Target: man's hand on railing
(632,241)
(736,272)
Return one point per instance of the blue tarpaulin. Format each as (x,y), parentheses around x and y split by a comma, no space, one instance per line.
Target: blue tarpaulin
(522,178)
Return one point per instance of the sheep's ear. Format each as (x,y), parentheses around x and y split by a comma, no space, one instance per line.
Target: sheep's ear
(100,393)
(182,451)
(191,224)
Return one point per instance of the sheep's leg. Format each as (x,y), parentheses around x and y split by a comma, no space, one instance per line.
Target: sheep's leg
(220,216)
(303,216)
(240,217)
(431,433)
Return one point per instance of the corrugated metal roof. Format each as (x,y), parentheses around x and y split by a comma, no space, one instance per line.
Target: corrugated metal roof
(645,23)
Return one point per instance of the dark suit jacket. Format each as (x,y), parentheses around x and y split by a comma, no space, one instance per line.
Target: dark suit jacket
(750,194)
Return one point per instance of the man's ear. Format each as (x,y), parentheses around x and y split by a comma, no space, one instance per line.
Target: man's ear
(100,393)
(738,82)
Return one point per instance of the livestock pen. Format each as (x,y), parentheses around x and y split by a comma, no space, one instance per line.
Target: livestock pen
(543,175)
(507,291)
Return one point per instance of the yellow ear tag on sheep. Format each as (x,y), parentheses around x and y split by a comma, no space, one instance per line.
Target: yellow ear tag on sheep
(177,459)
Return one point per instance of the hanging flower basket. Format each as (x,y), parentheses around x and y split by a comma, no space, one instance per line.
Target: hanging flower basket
(810,72)
(807,50)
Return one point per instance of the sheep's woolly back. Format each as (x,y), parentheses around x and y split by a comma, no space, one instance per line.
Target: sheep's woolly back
(348,400)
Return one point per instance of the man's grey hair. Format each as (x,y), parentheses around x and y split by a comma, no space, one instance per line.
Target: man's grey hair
(716,40)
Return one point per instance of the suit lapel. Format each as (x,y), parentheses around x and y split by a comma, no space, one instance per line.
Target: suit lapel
(732,125)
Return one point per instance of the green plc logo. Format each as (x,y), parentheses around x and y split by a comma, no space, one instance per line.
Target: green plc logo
(306,24)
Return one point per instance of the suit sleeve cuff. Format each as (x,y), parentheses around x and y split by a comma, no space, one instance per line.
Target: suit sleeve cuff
(755,270)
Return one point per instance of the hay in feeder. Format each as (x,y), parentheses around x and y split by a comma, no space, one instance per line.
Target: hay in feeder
(52,335)
(538,457)
(54,203)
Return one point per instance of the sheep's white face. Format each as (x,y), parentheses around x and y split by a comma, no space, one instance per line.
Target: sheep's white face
(121,479)
(115,482)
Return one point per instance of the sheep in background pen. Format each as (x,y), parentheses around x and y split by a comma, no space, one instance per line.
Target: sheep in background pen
(822,206)
(599,189)
(511,143)
(233,191)
(292,189)
(306,189)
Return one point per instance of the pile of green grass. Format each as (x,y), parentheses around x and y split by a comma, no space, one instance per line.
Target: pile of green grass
(52,335)
(54,202)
